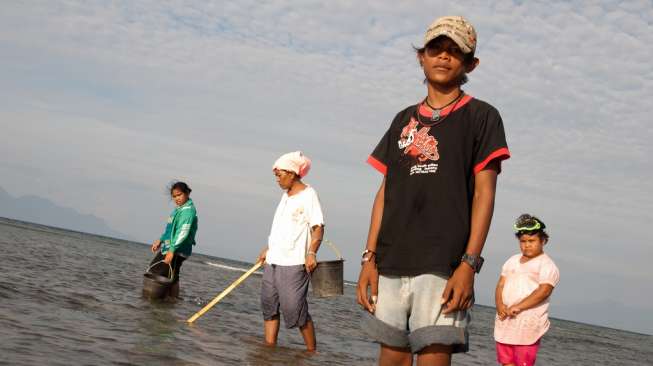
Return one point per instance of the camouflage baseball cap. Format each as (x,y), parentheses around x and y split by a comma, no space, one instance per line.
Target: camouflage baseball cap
(455,27)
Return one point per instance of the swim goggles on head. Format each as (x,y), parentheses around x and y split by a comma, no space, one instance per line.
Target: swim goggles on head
(536,226)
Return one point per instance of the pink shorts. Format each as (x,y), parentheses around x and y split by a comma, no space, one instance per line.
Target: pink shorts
(517,355)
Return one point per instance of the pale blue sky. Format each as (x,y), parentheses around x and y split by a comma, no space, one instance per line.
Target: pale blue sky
(101,104)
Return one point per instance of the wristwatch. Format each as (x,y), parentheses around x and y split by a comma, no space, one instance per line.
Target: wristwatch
(368,258)
(474,261)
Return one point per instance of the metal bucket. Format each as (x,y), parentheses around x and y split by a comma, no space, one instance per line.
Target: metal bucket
(155,286)
(327,278)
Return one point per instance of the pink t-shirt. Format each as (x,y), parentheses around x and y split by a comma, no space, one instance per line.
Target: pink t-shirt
(521,279)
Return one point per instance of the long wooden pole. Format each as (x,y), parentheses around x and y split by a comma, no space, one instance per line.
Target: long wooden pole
(224,293)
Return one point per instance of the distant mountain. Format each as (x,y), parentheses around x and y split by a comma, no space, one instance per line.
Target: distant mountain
(43,211)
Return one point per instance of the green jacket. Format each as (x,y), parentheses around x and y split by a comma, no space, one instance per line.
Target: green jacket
(179,236)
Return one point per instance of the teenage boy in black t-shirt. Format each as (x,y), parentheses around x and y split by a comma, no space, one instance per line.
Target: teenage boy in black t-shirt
(440,160)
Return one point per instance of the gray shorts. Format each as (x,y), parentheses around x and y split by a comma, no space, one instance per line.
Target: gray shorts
(408,314)
(285,288)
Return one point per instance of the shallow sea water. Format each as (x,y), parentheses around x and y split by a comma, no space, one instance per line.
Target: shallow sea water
(69,298)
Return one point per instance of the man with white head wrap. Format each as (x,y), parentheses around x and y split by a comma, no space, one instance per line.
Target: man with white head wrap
(290,256)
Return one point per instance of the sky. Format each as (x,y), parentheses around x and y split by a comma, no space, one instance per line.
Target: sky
(103,103)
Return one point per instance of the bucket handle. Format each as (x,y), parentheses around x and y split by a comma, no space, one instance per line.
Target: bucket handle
(172,274)
(329,243)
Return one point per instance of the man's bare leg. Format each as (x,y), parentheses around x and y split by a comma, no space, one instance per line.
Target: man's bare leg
(271,330)
(435,355)
(395,356)
(308,332)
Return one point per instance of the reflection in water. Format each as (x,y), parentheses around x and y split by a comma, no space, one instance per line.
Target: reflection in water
(260,354)
(156,337)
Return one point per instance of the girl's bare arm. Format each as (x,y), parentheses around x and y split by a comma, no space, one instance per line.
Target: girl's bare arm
(502,310)
(535,298)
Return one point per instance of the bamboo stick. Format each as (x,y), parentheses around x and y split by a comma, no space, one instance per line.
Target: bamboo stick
(224,293)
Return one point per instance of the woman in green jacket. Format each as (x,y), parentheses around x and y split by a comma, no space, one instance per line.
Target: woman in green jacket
(176,243)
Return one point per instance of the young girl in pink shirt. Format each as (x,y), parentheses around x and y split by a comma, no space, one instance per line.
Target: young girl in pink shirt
(522,295)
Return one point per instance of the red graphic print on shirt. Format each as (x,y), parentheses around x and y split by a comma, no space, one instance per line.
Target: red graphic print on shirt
(420,146)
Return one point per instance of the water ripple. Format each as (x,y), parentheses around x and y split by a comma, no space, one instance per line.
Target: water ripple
(71,298)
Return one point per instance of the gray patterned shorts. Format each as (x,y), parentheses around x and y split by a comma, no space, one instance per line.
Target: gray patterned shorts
(285,288)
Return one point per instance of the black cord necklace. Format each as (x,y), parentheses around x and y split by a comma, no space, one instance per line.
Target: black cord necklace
(436,111)
(436,118)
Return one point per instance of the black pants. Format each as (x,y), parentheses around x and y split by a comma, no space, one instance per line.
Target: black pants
(163,269)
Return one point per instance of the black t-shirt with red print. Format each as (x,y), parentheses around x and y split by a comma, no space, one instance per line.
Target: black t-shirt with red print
(430,168)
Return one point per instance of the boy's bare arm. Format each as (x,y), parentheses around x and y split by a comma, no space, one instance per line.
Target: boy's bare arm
(482,207)
(375,220)
(541,293)
(369,276)
(459,292)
